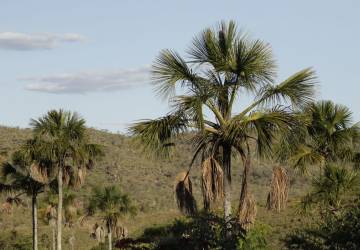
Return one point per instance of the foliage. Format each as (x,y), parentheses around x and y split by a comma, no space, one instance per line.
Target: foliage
(337,231)
(329,190)
(221,66)
(111,203)
(255,238)
(14,241)
(327,135)
(150,183)
(203,231)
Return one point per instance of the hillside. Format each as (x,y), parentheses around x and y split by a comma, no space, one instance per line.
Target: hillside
(149,182)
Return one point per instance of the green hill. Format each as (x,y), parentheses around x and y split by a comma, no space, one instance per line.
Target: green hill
(149,182)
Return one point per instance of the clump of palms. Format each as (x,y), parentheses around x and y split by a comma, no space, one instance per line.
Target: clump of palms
(330,140)
(329,190)
(65,141)
(222,65)
(328,135)
(28,173)
(112,204)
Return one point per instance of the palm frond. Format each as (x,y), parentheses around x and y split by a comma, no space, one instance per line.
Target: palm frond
(156,135)
(298,89)
(254,64)
(168,70)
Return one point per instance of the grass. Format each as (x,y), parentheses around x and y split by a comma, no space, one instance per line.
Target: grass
(149,182)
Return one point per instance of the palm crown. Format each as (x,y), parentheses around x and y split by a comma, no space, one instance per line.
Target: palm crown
(327,135)
(222,65)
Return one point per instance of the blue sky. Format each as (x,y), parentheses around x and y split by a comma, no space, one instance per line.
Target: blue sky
(93,56)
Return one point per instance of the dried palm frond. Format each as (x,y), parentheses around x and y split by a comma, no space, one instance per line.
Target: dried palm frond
(67,174)
(247,212)
(279,189)
(70,215)
(39,173)
(80,177)
(6,207)
(212,182)
(183,194)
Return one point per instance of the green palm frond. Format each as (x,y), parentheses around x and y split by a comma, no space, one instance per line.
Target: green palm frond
(168,70)
(298,89)
(192,106)
(156,135)
(330,189)
(266,125)
(59,124)
(263,126)
(305,156)
(253,64)
(111,203)
(206,50)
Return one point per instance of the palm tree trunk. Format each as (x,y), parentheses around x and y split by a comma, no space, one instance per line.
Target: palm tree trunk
(60,204)
(109,238)
(34,222)
(245,177)
(54,237)
(227,187)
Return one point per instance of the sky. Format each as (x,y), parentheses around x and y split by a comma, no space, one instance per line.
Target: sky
(93,57)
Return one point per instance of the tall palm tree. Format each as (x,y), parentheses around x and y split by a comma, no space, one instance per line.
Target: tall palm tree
(222,65)
(328,135)
(113,204)
(67,144)
(28,173)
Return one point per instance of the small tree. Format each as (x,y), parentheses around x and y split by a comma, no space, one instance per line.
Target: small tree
(112,204)
(28,173)
(329,190)
(328,135)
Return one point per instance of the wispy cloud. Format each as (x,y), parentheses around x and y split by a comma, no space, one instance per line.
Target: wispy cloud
(85,82)
(39,41)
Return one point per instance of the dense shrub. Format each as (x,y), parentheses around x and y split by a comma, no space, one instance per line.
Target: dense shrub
(337,231)
(201,232)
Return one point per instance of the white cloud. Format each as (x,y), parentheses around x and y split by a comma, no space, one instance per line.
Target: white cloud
(85,82)
(39,41)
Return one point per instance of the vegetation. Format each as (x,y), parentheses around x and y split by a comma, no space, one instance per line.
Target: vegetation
(280,131)
(337,231)
(64,141)
(28,173)
(222,65)
(112,204)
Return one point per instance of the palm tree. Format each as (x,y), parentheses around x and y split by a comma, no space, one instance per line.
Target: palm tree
(328,135)
(330,189)
(67,145)
(222,66)
(28,173)
(113,204)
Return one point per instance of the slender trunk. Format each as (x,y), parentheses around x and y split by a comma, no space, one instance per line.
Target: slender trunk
(34,222)
(109,238)
(60,204)
(245,178)
(227,187)
(54,237)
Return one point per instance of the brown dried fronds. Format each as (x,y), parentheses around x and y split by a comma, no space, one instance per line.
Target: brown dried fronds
(183,194)
(212,182)
(279,189)
(39,173)
(80,177)
(247,212)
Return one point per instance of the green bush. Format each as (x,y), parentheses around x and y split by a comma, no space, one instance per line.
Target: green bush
(255,238)
(337,231)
